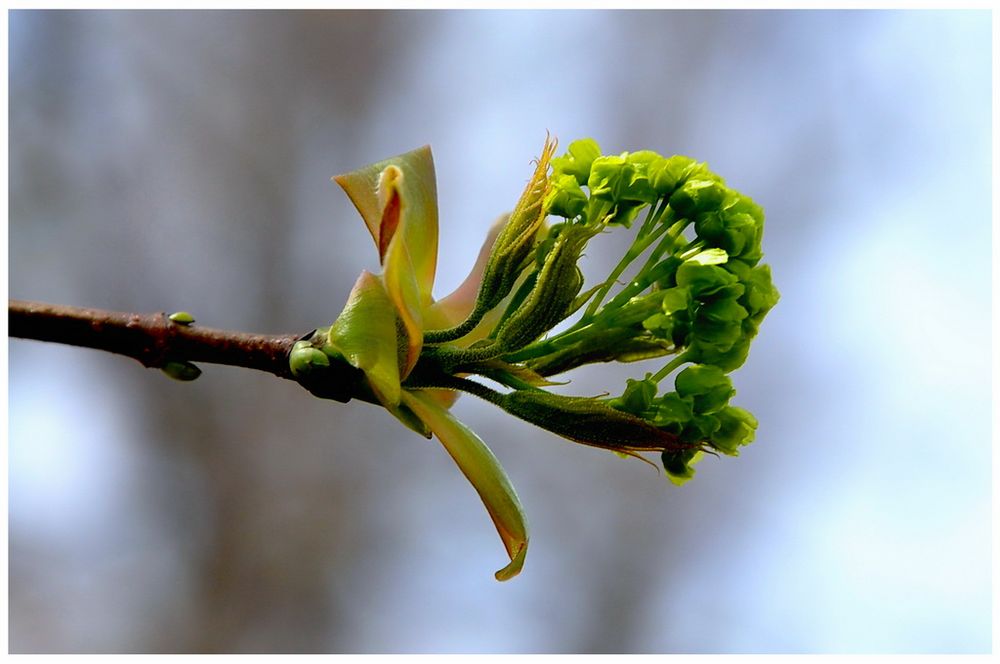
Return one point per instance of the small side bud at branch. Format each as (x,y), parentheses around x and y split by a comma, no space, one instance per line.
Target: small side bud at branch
(181,318)
(179,370)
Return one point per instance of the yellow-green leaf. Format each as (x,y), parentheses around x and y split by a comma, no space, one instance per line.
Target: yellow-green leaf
(482,469)
(397,197)
(398,200)
(365,334)
(403,291)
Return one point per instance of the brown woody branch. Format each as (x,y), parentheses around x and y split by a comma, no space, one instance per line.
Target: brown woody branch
(152,339)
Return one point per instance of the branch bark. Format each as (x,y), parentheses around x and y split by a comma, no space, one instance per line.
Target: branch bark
(152,339)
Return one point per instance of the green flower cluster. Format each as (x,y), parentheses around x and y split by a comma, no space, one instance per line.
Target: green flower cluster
(697,412)
(699,296)
(689,288)
(713,310)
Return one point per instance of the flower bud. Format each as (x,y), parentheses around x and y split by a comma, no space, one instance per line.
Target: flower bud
(625,213)
(761,295)
(551,298)
(621,179)
(709,387)
(667,175)
(637,397)
(697,195)
(674,307)
(736,428)
(672,412)
(737,227)
(724,310)
(577,160)
(646,163)
(704,280)
(565,198)
(606,175)
(517,238)
(676,299)
(679,464)
(726,356)
(719,336)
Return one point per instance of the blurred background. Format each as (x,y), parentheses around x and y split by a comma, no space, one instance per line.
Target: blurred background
(181,160)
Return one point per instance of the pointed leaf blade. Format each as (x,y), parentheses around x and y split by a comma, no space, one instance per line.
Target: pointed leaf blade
(484,472)
(398,197)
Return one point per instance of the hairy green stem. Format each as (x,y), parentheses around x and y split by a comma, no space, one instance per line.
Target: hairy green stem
(459,331)
(452,359)
(448,382)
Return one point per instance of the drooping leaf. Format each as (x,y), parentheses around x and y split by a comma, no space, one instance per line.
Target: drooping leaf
(484,472)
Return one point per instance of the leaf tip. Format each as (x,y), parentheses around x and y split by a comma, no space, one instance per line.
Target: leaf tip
(515,565)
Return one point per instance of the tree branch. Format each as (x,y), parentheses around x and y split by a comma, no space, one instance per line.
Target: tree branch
(152,339)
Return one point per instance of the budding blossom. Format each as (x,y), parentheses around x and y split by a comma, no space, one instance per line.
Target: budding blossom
(697,298)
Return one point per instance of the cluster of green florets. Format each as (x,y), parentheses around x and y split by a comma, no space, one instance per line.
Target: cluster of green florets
(699,296)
